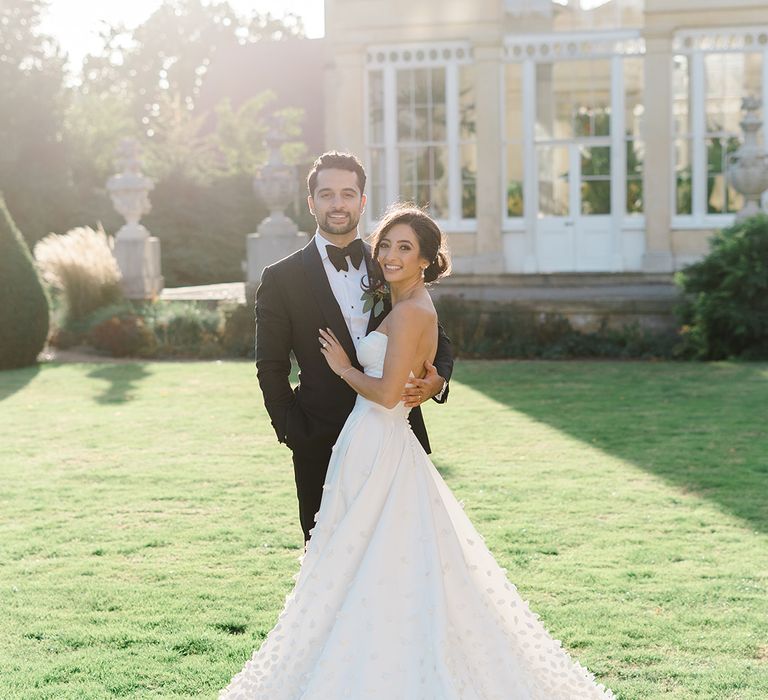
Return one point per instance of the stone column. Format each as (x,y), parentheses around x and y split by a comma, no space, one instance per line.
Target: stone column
(344,99)
(489,257)
(137,253)
(657,172)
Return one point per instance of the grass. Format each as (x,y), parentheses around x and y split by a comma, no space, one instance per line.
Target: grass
(149,529)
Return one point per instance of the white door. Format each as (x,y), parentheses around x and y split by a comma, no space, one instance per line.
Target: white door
(573,224)
(573,166)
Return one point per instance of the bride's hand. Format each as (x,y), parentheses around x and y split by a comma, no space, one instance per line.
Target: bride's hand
(417,391)
(337,359)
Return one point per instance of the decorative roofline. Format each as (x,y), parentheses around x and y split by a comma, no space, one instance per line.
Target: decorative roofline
(421,54)
(723,39)
(561,45)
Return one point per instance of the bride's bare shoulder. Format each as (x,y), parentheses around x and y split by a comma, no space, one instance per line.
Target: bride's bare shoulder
(416,313)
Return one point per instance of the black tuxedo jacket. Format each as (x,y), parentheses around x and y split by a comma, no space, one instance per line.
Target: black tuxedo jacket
(293,301)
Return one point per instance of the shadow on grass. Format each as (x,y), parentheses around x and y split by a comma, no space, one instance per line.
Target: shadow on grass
(13,380)
(701,427)
(443,467)
(122,380)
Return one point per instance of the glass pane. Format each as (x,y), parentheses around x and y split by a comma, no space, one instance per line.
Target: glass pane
(421,105)
(721,197)
(728,78)
(514,101)
(405,106)
(634,84)
(376,107)
(421,101)
(681,95)
(596,197)
(424,179)
(515,179)
(573,98)
(595,180)
(468,181)
(683,199)
(407,168)
(595,161)
(553,180)
(467,104)
(437,129)
(376,183)
(635,158)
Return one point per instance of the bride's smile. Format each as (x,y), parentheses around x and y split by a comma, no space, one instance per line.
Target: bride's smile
(399,257)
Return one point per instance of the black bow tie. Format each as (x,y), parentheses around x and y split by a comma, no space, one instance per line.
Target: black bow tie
(338,256)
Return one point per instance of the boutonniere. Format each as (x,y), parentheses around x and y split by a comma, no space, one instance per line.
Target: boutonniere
(374,299)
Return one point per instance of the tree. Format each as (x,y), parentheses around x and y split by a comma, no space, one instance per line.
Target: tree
(57,144)
(164,61)
(240,133)
(24,315)
(33,166)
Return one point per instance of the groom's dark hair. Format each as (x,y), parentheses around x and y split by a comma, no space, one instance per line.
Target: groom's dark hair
(336,161)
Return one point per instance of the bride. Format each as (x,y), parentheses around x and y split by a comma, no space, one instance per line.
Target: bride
(397,597)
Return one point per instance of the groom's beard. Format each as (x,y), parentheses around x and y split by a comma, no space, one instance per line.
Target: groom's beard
(340,229)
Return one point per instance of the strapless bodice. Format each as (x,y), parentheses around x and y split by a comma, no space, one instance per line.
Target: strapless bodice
(371,351)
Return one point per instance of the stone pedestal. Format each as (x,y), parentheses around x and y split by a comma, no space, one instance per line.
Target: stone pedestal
(138,257)
(276,238)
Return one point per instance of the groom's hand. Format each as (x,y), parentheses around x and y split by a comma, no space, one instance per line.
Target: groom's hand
(421,390)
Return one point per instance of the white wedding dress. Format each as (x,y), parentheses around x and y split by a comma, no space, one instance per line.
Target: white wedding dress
(397,597)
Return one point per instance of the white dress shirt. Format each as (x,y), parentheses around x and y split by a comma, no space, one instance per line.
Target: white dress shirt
(346,287)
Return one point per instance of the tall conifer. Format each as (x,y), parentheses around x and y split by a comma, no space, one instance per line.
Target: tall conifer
(24,314)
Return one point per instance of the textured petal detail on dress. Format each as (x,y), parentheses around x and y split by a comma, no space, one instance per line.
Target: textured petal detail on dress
(397,595)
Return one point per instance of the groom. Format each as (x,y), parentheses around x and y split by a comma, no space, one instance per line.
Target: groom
(319,287)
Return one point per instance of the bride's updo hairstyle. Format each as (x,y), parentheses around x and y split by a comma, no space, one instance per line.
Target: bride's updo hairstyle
(431,240)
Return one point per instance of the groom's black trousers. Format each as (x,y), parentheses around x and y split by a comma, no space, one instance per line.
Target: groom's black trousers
(309,471)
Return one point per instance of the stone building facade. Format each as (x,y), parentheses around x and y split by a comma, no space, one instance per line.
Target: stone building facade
(549,136)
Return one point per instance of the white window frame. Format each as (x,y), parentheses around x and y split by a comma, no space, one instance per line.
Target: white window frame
(695,45)
(390,58)
(546,48)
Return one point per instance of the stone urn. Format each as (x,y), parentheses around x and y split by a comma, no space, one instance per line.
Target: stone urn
(748,169)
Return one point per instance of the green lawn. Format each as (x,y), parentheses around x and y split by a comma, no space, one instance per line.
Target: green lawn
(149,531)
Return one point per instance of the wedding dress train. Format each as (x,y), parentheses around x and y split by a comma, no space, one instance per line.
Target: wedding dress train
(398,597)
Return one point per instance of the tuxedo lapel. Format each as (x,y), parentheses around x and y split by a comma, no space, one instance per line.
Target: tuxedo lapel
(321,289)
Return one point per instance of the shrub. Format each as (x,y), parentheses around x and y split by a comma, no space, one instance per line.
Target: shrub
(24,307)
(80,266)
(186,330)
(203,227)
(155,330)
(499,331)
(239,336)
(123,335)
(726,309)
